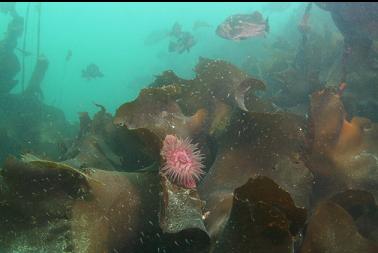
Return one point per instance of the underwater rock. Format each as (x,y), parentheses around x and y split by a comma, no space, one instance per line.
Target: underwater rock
(181,219)
(263,218)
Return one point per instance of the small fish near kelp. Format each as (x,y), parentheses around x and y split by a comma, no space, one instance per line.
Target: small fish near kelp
(243,26)
(91,72)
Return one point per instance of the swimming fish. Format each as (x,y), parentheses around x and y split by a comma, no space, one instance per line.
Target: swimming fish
(156,36)
(176,30)
(91,72)
(243,26)
(184,43)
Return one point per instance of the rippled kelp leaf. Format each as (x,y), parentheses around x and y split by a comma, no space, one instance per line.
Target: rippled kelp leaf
(35,203)
(355,202)
(327,116)
(94,146)
(256,144)
(226,82)
(263,218)
(121,216)
(181,219)
(57,209)
(332,229)
(215,81)
(103,145)
(209,99)
(362,207)
(167,78)
(155,109)
(156,114)
(343,153)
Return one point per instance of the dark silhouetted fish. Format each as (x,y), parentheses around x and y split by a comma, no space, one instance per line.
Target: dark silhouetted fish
(91,72)
(184,42)
(243,26)
(157,36)
(176,30)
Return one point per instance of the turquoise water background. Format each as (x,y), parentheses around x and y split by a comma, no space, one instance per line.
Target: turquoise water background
(113,35)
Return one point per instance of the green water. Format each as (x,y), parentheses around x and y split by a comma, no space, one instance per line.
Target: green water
(112,35)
